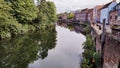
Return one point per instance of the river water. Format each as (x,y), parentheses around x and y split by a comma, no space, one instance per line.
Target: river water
(59,48)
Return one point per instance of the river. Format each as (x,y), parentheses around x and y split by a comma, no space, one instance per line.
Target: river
(57,48)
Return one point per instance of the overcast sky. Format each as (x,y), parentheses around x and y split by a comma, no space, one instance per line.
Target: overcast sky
(71,5)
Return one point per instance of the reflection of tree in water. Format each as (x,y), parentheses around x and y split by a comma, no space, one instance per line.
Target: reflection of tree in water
(20,51)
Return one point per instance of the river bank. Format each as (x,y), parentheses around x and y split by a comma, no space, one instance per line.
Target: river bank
(92,58)
(24,29)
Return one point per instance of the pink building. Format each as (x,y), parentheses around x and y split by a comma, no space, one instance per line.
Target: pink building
(96,13)
(114,15)
(90,15)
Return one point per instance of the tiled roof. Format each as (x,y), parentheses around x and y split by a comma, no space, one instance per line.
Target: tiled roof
(106,5)
(118,4)
(90,10)
(98,7)
(114,8)
(85,9)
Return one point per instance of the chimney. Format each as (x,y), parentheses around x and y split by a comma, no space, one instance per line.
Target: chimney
(114,0)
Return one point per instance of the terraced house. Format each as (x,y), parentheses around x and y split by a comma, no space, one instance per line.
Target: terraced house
(114,15)
(104,13)
(90,15)
(77,15)
(96,13)
(83,15)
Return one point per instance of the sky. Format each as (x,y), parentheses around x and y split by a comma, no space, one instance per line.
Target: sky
(72,5)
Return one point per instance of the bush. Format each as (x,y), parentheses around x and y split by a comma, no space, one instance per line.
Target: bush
(4,34)
(89,50)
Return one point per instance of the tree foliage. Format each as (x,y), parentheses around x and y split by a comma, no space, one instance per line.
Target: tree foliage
(91,57)
(47,12)
(24,10)
(20,16)
(70,15)
(8,24)
(42,14)
(52,11)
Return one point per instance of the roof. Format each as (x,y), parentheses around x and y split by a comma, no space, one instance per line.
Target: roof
(90,10)
(98,7)
(84,9)
(114,8)
(106,5)
(118,4)
(77,11)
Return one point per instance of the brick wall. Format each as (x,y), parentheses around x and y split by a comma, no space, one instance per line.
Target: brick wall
(111,49)
(111,52)
(97,40)
(113,17)
(116,32)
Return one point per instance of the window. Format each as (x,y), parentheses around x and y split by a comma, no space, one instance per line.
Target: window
(118,12)
(104,15)
(119,7)
(115,17)
(119,65)
(110,17)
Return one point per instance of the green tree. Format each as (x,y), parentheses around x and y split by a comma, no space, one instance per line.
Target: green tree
(24,10)
(42,14)
(43,0)
(52,12)
(8,24)
(47,13)
(20,16)
(70,15)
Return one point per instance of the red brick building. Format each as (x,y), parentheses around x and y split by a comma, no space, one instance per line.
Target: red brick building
(114,15)
(96,13)
(116,30)
(90,15)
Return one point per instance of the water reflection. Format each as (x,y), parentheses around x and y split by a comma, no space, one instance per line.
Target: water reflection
(78,28)
(19,52)
(67,52)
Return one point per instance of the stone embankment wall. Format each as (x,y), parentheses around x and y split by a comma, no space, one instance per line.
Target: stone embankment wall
(97,40)
(111,49)
(111,52)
